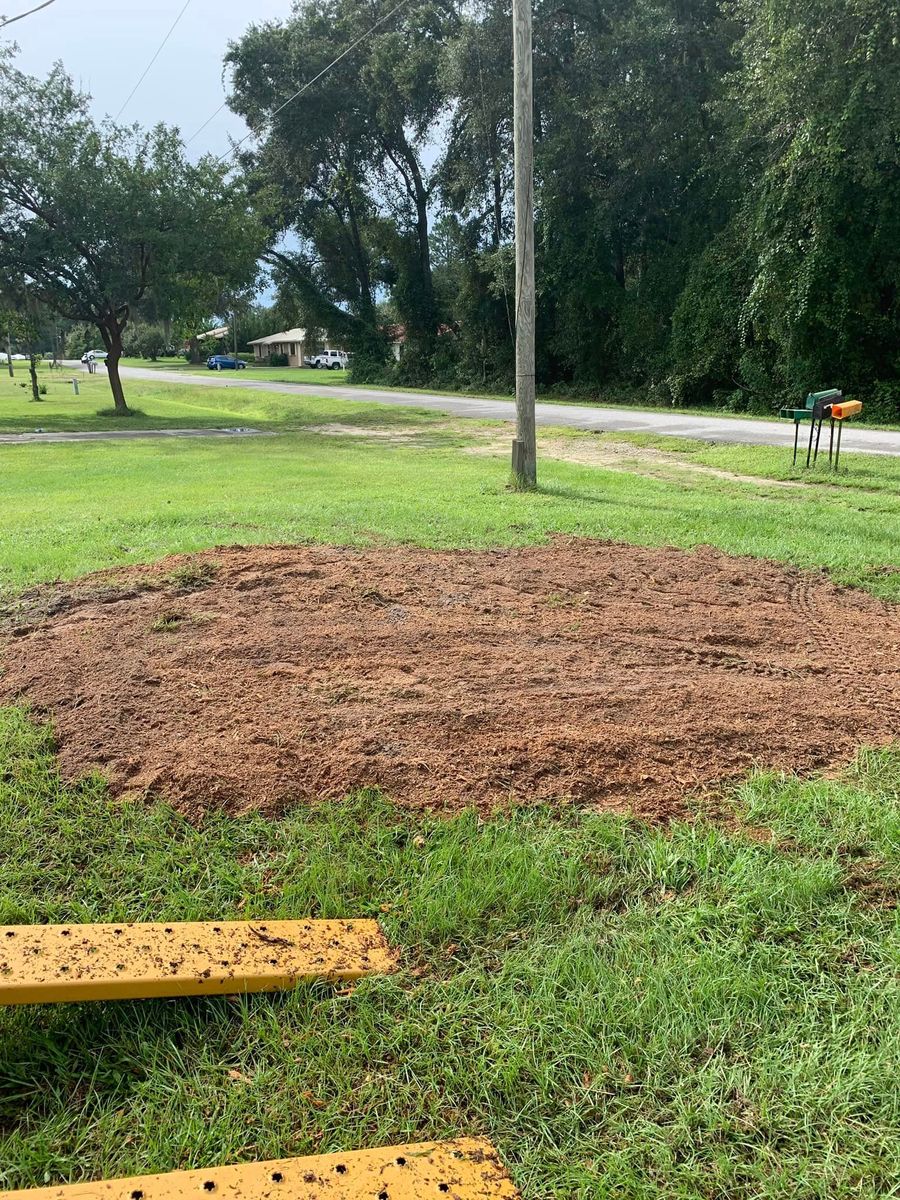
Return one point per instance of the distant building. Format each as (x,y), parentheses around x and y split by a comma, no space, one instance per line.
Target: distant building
(291,342)
(396,336)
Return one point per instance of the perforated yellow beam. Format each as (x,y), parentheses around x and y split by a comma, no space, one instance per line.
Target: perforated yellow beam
(44,964)
(463,1170)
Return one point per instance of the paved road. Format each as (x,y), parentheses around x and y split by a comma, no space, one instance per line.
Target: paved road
(105,435)
(577,416)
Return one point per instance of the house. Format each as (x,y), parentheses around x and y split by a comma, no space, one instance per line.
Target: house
(396,336)
(292,342)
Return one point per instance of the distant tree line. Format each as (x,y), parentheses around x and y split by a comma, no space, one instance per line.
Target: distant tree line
(718,192)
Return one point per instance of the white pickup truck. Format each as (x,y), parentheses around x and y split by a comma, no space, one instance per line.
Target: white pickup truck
(335,360)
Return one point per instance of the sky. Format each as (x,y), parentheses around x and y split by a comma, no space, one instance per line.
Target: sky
(106,44)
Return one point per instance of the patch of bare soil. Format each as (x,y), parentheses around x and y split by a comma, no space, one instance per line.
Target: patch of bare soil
(614,676)
(402,434)
(595,450)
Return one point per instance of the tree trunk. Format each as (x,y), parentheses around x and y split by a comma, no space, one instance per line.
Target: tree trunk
(497,232)
(424,320)
(428,301)
(32,371)
(112,338)
(12,373)
(115,383)
(194,350)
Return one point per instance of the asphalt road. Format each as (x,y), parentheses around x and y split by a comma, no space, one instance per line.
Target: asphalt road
(856,438)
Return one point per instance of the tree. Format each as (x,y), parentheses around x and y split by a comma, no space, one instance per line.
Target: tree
(143,340)
(342,168)
(20,329)
(96,221)
(802,289)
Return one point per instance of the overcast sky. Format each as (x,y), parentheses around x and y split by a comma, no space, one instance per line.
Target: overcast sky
(106,44)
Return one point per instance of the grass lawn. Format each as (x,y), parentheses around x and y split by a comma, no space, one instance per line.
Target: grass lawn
(626,1011)
(630,1012)
(72,508)
(155,405)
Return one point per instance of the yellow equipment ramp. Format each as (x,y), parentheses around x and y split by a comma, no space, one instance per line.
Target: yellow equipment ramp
(45,964)
(467,1169)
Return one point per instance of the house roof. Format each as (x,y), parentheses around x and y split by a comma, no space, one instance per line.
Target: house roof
(219,332)
(287,335)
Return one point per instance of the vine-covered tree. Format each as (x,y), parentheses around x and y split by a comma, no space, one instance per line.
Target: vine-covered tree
(97,220)
(717,190)
(343,168)
(802,289)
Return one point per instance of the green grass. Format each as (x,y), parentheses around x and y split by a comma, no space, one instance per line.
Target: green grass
(162,405)
(314,375)
(869,472)
(71,508)
(627,1011)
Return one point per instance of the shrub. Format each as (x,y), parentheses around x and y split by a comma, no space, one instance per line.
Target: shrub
(145,341)
(883,402)
(279,360)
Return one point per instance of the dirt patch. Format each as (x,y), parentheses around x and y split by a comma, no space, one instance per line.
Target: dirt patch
(595,450)
(615,676)
(398,433)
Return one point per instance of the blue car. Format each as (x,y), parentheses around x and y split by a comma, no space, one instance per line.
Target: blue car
(224,362)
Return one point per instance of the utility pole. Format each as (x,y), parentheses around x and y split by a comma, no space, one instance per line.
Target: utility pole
(234,330)
(9,365)
(524,448)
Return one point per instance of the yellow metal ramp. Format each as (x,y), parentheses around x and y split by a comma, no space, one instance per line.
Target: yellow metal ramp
(44,964)
(467,1169)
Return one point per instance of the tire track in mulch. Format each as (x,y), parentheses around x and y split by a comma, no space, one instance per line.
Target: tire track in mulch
(609,675)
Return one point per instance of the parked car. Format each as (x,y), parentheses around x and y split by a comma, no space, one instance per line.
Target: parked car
(94,356)
(334,360)
(225,362)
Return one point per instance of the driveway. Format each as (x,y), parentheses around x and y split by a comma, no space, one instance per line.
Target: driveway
(856,438)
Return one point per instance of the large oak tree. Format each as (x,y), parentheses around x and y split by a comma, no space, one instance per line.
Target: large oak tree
(346,168)
(96,220)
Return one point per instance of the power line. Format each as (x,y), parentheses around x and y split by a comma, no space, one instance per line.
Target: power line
(208,120)
(153,59)
(11,20)
(299,92)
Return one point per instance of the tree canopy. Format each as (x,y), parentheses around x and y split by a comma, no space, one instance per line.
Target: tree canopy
(717,189)
(97,221)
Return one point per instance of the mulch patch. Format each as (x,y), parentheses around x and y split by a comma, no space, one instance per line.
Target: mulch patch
(616,676)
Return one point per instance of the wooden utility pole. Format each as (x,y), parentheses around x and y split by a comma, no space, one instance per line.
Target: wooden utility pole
(524,449)
(9,365)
